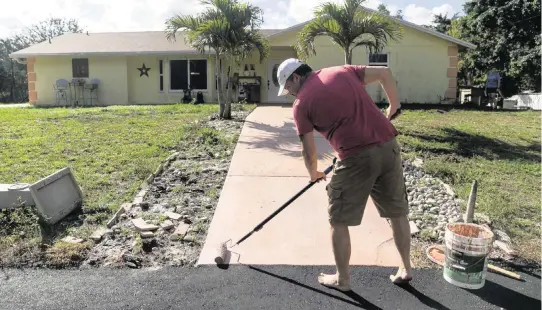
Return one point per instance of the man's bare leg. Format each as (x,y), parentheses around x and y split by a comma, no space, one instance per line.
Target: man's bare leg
(340,238)
(401,236)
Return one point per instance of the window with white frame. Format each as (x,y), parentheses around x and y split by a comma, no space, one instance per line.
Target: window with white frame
(187,73)
(381,59)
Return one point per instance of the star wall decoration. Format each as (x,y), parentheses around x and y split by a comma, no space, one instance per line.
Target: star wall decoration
(143,70)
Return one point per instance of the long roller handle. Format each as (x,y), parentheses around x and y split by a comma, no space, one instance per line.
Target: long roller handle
(287,203)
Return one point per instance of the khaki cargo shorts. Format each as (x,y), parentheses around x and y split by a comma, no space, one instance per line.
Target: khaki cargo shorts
(375,171)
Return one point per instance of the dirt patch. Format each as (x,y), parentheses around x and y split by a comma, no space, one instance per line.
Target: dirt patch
(169,226)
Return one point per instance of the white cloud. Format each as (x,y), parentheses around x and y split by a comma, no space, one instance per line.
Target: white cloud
(424,16)
(139,15)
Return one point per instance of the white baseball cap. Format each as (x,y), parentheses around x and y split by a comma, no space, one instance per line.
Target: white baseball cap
(284,71)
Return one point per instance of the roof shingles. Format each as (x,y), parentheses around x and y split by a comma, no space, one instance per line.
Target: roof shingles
(111,43)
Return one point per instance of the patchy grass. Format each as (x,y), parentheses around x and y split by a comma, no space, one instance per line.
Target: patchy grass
(501,150)
(63,254)
(110,150)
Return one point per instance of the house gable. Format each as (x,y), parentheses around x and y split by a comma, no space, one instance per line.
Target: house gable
(289,34)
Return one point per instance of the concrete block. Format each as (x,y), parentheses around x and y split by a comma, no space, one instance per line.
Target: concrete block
(413,228)
(57,195)
(15,195)
(141,225)
(146,234)
(181,230)
(98,234)
(173,215)
(115,218)
(70,239)
(167,225)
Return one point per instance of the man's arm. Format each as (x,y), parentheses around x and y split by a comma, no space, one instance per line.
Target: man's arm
(372,74)
(305,131)
(309,153)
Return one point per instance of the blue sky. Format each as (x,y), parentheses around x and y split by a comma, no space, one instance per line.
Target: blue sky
(141,15)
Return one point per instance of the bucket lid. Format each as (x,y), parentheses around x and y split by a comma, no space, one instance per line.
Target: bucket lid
(435,253)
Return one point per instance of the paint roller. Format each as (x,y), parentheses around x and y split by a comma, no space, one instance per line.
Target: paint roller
(222,249)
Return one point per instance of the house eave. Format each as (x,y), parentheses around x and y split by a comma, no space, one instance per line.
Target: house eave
(120,53)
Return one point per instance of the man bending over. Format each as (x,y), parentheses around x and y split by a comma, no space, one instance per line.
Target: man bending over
(334,102)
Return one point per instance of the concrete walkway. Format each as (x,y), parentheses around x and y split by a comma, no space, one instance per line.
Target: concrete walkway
(267,169)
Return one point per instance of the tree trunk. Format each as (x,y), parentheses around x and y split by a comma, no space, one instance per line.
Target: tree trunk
(12,92)
(227,112)
(218,73)
(347,57)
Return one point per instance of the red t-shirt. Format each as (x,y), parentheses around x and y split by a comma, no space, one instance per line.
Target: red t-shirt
(333,101)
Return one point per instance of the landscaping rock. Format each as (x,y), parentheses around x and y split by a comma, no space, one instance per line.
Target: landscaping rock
(506,248)
(98,234)
(176,206)
(70,239)
(167,225)
(141,225)
(432,203)
(123,208)
(413,228)
(502,236)
(173,215)
(181,230)
(147,234)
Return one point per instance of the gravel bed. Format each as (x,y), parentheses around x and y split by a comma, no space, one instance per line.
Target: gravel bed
(432,203)
(177,210)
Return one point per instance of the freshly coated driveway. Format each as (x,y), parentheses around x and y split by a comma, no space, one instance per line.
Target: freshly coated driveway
(253,287)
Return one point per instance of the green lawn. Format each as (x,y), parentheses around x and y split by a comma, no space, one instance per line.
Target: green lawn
(501,150)
(111,151)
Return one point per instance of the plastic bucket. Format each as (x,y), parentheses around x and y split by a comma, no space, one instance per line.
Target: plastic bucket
(467,248)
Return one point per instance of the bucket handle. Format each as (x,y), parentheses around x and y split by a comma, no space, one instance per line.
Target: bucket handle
(468,266)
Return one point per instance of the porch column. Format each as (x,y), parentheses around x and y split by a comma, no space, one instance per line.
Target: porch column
(451,73)
(31,74)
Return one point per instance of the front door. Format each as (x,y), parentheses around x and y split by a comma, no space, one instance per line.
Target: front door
(273,83)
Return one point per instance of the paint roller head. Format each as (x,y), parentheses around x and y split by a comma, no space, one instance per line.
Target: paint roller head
(222,253)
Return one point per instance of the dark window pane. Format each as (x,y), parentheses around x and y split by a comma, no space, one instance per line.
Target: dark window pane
(275,79)
(161,65)
(80,67)
(198,74)
(378,58)
(161,83)
(178,74)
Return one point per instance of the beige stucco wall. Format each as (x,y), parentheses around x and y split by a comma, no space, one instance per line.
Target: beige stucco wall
(120,83)
(277,54)
(111,71)
(423,64)
(424,67)
(145,90)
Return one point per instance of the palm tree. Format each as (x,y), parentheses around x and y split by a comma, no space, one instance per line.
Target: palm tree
(230,29)
(348,26)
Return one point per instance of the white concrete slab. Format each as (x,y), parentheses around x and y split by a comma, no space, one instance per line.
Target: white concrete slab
(267,170)
(299,235)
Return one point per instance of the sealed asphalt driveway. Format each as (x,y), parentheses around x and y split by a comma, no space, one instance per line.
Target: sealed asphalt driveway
(253,287)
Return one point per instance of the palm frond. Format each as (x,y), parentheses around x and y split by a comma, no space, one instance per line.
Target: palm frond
(228,26)
(348,26)
(320,26)
(378,30)
(252,41)
(180,22)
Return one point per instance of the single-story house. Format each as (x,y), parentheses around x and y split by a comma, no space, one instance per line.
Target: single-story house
(146,68)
